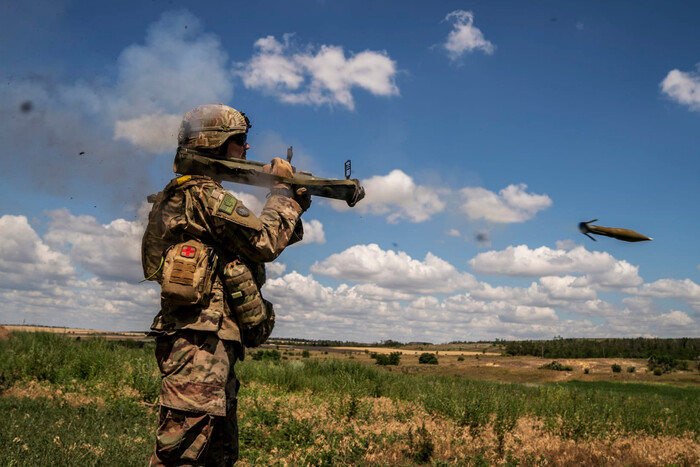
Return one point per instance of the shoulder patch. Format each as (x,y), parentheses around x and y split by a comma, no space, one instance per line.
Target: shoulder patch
(227,204)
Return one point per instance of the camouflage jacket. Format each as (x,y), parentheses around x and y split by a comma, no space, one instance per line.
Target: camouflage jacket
(199,207)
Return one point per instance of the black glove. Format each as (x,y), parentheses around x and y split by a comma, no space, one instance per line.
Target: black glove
(302,196)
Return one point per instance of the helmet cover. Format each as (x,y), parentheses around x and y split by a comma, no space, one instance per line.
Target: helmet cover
(209,126)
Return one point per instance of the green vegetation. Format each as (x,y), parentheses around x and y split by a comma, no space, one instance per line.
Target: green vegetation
(273,355)
(685,348)
(394,358)
(616,368)
(93,401)
(99,367)
(660,365)
(42,431)
(556,366)
(428,358)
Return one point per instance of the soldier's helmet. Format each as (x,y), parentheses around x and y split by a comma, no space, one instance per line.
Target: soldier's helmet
(209,126)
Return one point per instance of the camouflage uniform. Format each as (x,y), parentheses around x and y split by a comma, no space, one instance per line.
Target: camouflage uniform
(197,347)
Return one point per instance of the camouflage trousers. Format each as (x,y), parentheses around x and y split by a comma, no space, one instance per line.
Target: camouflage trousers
(197,423)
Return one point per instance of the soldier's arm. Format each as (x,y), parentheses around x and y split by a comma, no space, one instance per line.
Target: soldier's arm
(239,231)
(281,227)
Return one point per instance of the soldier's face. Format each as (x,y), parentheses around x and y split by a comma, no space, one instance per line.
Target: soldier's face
(235,150)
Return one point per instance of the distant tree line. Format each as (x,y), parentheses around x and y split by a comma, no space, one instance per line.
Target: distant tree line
(684,348)
(334,343)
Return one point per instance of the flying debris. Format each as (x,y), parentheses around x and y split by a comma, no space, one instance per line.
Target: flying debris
(626,235)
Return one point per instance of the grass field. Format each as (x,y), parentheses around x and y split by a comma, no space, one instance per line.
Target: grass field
(92,402)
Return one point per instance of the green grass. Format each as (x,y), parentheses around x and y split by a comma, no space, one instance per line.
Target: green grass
(99,367)
(115,427)
(575,409)
(42,432)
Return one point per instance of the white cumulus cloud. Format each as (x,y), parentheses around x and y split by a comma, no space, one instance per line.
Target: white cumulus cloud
(313,232)
(275,269)
(683,87)
(685,290)
(601,269)
(28,262)
(398,197)
(511,204)
(112,252)
(317,76)
(465,37)
(394,270)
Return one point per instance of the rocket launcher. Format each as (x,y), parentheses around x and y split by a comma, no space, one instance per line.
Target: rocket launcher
(191,162)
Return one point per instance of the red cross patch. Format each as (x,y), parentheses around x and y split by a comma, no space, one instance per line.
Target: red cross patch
(188,252)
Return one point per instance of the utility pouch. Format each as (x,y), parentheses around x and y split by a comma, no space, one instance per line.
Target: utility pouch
(188,272)
(255,317)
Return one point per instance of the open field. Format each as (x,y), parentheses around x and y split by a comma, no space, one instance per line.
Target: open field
(94,400)
(78,332)
(494,367)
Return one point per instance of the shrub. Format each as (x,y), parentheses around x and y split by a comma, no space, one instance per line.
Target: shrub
(555,365)
(383,359)
(428,358)
(586,371)
(616,368)
(273,355)
(663,364)
(658,372)
(305,354)
(631,369)
(421,446)
(460,359)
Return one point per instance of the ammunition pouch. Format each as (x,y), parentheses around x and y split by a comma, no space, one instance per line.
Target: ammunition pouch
(188,271)
(254,315)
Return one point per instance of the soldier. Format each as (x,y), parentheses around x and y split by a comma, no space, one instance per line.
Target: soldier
(207,251)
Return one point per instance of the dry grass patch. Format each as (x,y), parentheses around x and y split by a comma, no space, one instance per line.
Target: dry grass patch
(4,333)
(382,431)
(36,389)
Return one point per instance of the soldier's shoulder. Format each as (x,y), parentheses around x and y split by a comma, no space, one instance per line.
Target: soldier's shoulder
(224,205)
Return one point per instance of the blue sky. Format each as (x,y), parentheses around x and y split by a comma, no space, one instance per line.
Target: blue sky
(482,131)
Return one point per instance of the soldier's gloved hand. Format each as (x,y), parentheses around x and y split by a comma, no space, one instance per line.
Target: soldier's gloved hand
(281,168)
(302,197)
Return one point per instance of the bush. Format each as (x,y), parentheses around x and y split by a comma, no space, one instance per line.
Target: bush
(616,368)
(305,354)
(421,446)
(555,365)
(663,364)
(586,371)
(631,369)
(273,355)
(460,359)
(383,359)
(428,358)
